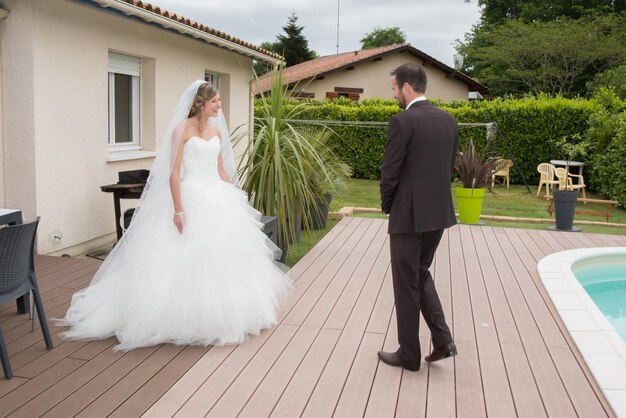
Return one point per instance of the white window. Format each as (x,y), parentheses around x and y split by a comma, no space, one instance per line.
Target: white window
(212,78)
(124,102)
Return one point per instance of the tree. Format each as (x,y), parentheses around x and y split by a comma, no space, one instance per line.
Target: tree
(614,78)
(497,11)
(383,37)
(598,20)
(261,67)
(558,57)
(293,44)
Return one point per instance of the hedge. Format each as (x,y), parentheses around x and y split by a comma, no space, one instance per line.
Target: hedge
(607,138)
(530,127)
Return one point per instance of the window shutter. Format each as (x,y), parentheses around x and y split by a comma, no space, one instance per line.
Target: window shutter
(124,64)
(331,95)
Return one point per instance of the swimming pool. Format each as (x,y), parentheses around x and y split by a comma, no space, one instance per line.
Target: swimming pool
(565,275)
(604,279)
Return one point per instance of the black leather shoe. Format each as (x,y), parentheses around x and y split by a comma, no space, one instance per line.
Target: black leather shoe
(448,350)
(393,359)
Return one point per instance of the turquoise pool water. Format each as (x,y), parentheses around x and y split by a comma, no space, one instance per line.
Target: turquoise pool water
(604,279)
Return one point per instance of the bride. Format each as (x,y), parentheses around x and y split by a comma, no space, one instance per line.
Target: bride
(194,267)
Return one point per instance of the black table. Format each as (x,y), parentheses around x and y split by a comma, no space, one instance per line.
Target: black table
(122,191)
(14,217)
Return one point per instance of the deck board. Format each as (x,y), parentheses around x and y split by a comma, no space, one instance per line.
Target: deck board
(498,397)
(283,394)
(470,398)
(515,355)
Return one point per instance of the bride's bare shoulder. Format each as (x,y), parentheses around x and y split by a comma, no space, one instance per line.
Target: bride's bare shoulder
(186,124)
(185,130)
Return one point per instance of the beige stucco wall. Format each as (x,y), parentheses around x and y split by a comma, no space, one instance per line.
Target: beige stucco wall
(60,151)
(373,78)
(16,36)
(1,132)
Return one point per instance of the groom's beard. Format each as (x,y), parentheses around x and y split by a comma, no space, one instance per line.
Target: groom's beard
(402,100)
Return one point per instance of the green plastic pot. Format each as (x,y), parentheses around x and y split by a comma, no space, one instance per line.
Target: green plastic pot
(470,203)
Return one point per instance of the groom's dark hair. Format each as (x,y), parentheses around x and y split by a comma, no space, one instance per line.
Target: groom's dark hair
(413,74)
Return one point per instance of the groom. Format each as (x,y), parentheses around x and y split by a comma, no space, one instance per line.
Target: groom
(415,190)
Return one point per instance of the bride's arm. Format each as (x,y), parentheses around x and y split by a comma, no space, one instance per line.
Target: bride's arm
(220,162)
(175,187)
(220,169)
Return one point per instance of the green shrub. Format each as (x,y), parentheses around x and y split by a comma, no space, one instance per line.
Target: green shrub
(361,147)
(608,163)
(531,126)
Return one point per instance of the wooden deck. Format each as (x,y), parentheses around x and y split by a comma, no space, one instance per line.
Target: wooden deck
(515,356)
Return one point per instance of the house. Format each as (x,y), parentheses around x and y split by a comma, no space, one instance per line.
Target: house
(365,74)
(87,88)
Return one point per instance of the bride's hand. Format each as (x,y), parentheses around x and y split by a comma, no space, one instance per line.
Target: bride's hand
(178,221)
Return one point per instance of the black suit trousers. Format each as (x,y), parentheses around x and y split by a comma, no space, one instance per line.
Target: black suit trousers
(414,290)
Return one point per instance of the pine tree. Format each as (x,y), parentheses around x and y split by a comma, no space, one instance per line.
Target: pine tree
(295,47)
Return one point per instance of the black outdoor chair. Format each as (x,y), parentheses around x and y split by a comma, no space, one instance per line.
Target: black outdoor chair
(17,277)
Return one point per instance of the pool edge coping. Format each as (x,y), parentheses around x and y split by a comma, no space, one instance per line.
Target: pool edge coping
(602,348)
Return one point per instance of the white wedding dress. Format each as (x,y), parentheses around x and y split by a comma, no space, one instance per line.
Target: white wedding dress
(213,284)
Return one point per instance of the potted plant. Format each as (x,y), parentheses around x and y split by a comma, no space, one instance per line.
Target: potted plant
(475,170)
(277,160)
(565,198)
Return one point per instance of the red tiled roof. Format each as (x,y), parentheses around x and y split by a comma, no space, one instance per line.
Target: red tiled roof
(320,66)
(199,26)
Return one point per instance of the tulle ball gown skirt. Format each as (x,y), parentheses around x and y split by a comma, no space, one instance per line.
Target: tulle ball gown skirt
(216,283)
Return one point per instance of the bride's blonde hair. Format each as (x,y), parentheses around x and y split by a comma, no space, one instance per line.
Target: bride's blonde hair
(205,92)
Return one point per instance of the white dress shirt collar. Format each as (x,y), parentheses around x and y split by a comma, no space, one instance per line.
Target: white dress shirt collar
(417,99)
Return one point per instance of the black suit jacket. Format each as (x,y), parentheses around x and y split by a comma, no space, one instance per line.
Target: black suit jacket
(415,175)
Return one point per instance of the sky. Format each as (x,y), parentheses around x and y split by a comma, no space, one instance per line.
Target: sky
(431,26)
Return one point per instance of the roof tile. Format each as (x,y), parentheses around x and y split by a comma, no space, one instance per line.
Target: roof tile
(181,19)
(319,66)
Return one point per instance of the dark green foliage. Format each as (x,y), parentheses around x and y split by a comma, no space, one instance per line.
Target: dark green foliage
(295,47)
(261,67)
(613,78)
(361,148)
(561,56)
(607,139)
(292,45)
(552,46)
(383,37)
(532,127)
(608,172)
(495,11)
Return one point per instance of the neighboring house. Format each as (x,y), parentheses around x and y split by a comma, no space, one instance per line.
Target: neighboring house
(87,88)
(365,74)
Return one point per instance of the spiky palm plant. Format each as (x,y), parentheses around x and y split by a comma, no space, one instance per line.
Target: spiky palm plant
(279,159)
(334,178)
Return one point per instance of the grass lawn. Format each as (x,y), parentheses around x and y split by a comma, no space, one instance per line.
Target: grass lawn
(515,201)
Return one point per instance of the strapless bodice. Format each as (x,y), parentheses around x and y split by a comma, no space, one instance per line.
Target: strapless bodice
(200,158)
